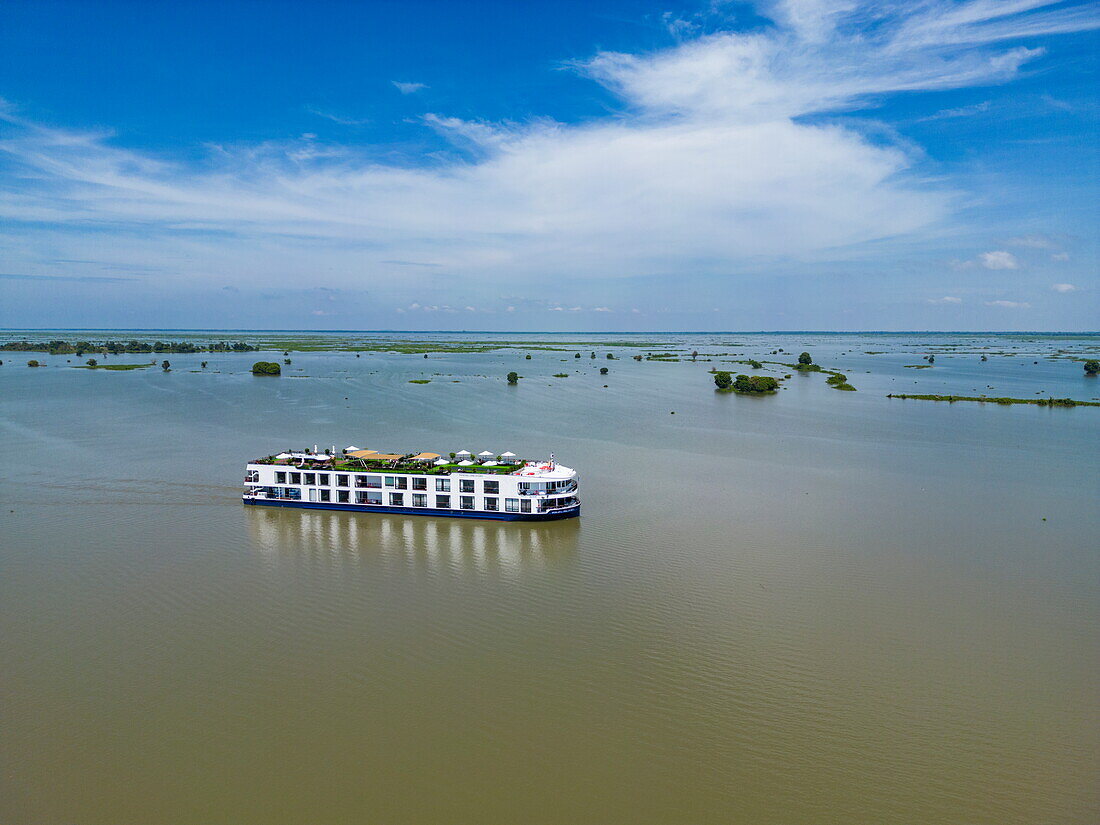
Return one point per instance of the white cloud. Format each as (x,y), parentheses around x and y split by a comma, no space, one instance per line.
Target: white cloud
(602,309)
(961,111)
(1034,241)
(1008,304)
(335,118)
(946,299)
(1060,256)
(408,88)
(999,260)
(709,164)
(1063,288)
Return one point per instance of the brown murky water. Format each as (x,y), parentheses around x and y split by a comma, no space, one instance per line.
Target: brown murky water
(817,607)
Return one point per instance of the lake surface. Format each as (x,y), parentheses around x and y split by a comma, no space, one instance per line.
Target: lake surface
(814,607)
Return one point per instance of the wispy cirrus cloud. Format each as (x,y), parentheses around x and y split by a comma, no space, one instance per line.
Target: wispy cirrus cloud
(343,120)
(407,88)
(710,165)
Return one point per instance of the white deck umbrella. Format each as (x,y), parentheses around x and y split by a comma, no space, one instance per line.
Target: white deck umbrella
(463,452)
(466,463)
(439,462)
(485,454)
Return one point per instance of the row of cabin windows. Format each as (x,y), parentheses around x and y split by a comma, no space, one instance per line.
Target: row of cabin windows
(492,503)
(442,485)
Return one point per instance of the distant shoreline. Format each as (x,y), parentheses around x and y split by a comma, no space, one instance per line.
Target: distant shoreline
(146,330)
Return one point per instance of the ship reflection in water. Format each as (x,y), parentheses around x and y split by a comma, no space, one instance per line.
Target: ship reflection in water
(440,544)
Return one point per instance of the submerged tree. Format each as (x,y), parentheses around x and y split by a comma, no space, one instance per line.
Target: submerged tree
(92,362)
(723,380)
(1092,367)
(805,358)
(164,365)
(513,378)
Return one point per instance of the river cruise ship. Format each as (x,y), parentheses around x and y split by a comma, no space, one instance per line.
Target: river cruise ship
(484,486)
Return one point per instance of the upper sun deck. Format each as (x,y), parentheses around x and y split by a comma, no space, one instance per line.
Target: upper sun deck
(371,461)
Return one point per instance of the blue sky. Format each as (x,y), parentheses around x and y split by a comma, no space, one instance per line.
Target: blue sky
(567,165)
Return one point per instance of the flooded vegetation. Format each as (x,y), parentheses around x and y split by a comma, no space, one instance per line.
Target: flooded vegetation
(800,606)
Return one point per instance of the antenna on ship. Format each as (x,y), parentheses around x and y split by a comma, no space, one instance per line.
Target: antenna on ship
(551,461)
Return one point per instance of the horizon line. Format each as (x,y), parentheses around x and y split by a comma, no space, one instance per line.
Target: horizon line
(560,332)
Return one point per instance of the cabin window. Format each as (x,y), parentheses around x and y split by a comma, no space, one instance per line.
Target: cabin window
(372,482)
(397,499)
(280,477)
(443,485)
(322,479)
(491,487)
(295,478)
(443,502)
(391,481)
(511,505)
(325,495)
(466,502)
(368,498)
(420,500)
(492,503)
(341,481)
(525,505)
(402,482)
(420,484)
(342,496)
(307,478)
(294,493)
(466,485)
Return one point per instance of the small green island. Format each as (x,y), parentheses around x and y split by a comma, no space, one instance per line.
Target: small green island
(745,384)
(266,368)
(984,399)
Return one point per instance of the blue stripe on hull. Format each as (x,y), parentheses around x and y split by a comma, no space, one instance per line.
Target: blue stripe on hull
(572,512)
